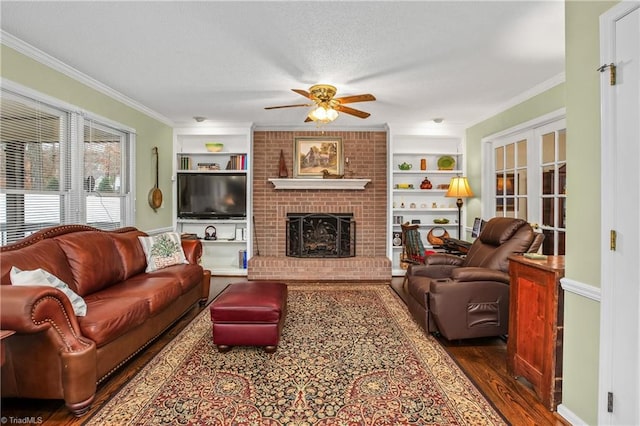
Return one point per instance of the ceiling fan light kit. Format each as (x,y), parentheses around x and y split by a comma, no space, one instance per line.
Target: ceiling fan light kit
(326,107)
(323,114)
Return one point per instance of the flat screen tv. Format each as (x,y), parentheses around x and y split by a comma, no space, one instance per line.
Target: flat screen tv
(212,195)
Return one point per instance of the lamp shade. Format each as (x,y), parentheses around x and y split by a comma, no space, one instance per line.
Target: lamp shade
(323,113)
(459,188)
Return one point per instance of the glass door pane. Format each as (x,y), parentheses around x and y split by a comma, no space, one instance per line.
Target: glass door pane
(511,179)
(553,191)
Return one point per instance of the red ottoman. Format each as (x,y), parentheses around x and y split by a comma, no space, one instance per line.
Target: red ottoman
(249,314)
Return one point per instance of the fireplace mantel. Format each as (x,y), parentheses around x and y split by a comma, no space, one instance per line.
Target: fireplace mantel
(305,183)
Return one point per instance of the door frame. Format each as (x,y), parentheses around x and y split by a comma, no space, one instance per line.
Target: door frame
(608,315)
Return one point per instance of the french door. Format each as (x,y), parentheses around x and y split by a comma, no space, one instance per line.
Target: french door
(526,175)
(552,174)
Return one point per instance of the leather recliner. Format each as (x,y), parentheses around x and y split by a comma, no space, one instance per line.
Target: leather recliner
(468,297)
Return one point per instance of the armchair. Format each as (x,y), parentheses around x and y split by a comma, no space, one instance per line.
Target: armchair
(467,297)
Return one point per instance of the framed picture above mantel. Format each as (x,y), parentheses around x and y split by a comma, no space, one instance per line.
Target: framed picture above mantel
(313,157)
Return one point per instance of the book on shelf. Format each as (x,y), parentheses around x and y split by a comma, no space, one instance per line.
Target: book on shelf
(242,259)
(185,163)
(208,166)
(237,162)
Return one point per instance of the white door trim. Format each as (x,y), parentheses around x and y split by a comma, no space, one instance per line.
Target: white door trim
(607,102)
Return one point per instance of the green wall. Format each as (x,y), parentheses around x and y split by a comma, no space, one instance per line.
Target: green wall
(582,316)
(149,131)
(581,97)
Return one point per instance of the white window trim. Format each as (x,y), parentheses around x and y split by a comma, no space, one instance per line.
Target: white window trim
(78,117)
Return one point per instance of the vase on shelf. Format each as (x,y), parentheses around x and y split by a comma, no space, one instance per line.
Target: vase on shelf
(426,184)
(282,168)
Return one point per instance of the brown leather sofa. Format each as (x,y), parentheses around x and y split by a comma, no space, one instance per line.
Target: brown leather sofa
(58,355)
(468,297)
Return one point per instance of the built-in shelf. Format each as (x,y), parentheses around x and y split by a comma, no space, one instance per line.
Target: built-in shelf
(407,202)
(225,255)
(302,183)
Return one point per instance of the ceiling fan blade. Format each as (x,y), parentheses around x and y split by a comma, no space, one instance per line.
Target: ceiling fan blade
(356,98)
(289,106)
(306,120)
(303,93)
(351,111)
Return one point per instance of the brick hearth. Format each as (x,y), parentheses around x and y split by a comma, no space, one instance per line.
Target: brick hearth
(294,269)
(367,152)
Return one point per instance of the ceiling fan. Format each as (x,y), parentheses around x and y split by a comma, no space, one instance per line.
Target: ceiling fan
(327,106)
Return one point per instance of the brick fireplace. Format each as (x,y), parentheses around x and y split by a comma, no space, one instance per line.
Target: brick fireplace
(367,153)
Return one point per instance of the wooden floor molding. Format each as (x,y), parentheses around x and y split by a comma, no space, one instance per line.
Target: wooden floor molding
(483,360)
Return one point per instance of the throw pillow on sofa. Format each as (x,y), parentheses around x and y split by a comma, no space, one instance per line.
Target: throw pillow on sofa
(42,277)
(162,250)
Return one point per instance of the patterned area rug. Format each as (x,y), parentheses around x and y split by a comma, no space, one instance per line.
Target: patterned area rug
(348,355)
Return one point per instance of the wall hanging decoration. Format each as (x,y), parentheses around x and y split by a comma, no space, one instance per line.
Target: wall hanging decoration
(155,194)
(316,157)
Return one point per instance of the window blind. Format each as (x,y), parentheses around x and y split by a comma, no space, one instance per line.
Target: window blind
(60,166)
(33,176)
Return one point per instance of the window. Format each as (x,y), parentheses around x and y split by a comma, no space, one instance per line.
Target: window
(105,184)
(51,173)
(527,172)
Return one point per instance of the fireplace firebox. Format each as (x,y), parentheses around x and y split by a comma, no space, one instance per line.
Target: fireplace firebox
(321,235)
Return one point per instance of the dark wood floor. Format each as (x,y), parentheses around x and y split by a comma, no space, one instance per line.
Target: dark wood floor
(483,360)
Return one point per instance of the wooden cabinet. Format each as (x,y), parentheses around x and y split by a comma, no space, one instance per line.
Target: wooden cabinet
(534,346)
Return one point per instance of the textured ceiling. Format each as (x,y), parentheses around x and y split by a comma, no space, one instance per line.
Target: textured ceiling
(228,60)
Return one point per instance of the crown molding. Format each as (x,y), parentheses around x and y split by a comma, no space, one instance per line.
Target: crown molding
(57,65)
(528,94)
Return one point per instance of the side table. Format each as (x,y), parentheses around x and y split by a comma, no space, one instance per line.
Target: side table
(536,319)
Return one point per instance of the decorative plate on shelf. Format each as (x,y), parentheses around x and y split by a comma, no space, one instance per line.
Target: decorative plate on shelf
(446,162)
